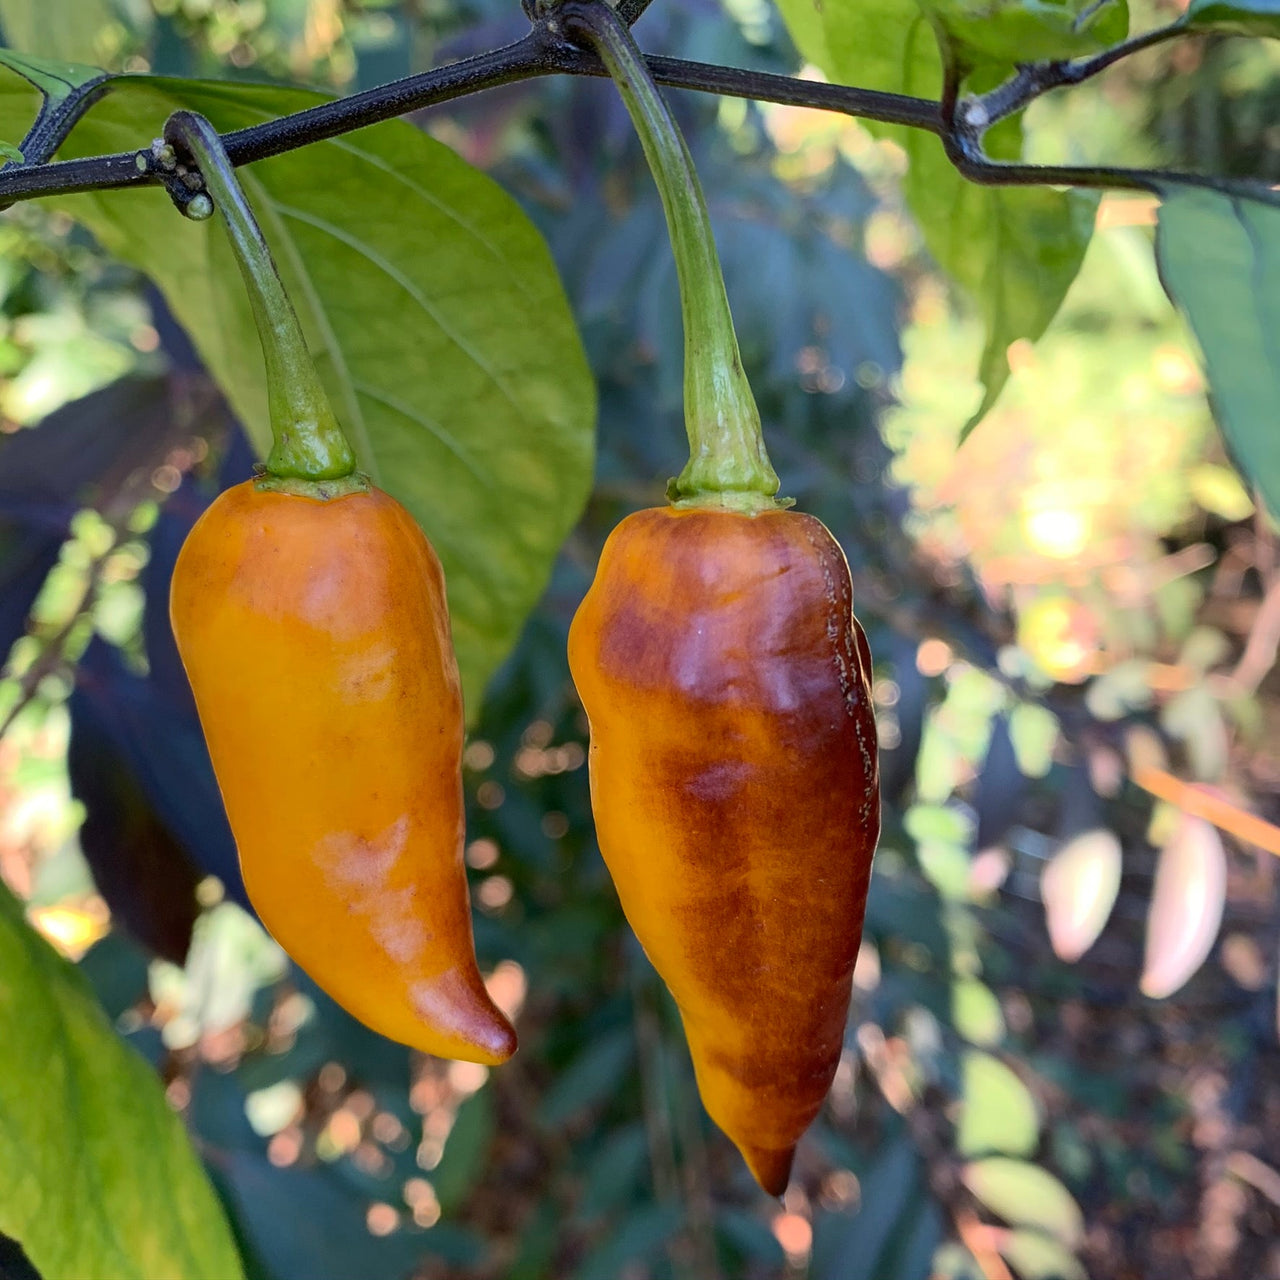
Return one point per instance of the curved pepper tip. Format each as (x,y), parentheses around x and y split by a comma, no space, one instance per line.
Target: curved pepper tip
(497,1041)
(770,1168)
(462,1021)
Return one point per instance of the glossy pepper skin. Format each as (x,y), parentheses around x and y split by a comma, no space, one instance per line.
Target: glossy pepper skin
(316,638)
(735,790)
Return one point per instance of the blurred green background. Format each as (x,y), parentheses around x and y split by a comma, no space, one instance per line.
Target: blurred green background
(1062,1054)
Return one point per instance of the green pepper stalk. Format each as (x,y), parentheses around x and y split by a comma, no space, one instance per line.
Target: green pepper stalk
(310,453)
(728,465)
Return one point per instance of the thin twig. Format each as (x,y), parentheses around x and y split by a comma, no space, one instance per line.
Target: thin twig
(1034,79)
(519,61)
(1260,649)
(966,154)
(53,125)
(1248,1168)
(540,53)
(980,1239)
(630,11)
(52,657)
(655,1104)
(1200,802)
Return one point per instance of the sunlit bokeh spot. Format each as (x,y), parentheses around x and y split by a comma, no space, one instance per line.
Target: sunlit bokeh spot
(381,1219)
(933,657)
(271,1109)
(795,1235)
(478,756)
(467,1077)
(482,854)
(506,986)
(495,892)
(1061,635)
(285,1148)
(841,1190)
(420,1196)
(866,970)
(71,929)
(1060,532)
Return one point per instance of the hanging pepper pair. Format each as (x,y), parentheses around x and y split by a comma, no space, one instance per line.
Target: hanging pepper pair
(733,750)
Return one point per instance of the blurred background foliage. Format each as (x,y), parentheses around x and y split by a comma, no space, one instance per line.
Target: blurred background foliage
(1062,1056)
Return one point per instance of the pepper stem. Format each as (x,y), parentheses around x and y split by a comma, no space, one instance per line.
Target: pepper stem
(728,464)
(308,442)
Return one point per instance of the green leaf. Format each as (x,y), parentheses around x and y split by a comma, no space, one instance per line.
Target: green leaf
(997,1113)
(1195,716)
(1015,251)
(10,152)
(433,310)
(1079,885)
(947,824)
(1259,18)
(1204,648)
(1177,602)
(750,1238)
(636,1238)
(1033,730)
(1219,259)
(1037,1257)
(1187,902)
(614,1171)
(938,766)
(976,1012)
(1025,1195)
(56,79)
(97,1176)
(592,1076)
(68,30)
(947,868)
(1013,31)
(852,1247)
(957,733)
(466,1151)
(1218,489)
(1126,687)
(312,1222)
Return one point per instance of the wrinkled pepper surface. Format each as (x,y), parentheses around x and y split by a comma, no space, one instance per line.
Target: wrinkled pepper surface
(316,637)
(735,789)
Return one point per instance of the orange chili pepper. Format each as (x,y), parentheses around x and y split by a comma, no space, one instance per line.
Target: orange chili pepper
(316,637)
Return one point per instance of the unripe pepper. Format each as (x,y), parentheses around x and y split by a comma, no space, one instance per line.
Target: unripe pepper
(735,793)
(733,747)
(310,614)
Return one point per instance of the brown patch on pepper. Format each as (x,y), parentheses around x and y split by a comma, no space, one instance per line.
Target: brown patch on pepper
(735,790)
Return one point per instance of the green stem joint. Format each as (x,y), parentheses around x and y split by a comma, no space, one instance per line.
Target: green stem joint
(310,453)
(728,465)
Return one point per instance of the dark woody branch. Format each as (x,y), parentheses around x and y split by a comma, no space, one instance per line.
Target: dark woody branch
(547,50)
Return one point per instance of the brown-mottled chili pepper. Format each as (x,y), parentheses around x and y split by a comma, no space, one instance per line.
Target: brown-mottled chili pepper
(735,792)
(733,746)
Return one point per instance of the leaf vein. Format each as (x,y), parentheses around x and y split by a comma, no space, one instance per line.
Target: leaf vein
(432,427)
(398,276)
